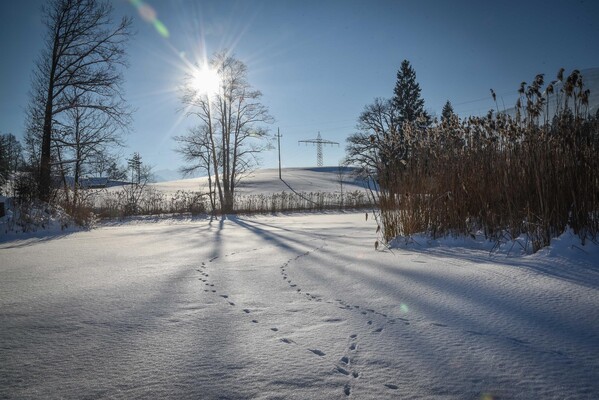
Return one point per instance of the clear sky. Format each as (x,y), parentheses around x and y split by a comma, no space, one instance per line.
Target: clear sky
(319,62)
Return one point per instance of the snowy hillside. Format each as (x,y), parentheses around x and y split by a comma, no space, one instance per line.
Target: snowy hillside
(266,181)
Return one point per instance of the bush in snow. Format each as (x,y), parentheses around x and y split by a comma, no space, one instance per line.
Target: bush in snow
(529,174)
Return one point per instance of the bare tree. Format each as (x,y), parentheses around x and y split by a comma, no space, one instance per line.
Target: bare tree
(90,131)
(231,120)
(195,147)
(78,67)
(378,138)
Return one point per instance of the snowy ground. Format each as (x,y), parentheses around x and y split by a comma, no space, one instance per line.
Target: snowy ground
(266,181)
(291,307)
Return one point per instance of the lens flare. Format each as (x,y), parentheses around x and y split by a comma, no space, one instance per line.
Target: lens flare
(150,15)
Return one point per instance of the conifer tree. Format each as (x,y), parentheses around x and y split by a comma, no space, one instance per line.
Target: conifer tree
(406,99)
(447,112)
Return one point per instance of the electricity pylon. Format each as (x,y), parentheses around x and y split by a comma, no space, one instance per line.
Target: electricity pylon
(319,141)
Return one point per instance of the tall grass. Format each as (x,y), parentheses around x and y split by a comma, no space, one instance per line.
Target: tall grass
(504,176)
(119,204)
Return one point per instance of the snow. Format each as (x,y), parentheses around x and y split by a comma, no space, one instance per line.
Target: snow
(266,181)
(293,306)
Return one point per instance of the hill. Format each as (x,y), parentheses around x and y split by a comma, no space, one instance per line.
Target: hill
(266,181)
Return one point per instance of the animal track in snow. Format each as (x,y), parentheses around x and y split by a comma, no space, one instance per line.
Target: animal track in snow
(288,341)
(394,387)
(274,329)
(343,371)
(247,311)
(317,352)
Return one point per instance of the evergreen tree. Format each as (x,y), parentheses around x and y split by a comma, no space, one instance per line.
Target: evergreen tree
(135,164)
(406,99)
(447,112)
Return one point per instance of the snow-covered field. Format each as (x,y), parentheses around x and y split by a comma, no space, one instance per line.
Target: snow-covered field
(292,307)
(266,181)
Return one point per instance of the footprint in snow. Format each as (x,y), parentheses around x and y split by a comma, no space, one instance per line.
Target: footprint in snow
(274,329)
(378,330)
(231,303)
(317,352)
(254,321)
(288,341)
(353,336)
(394,387)
(245,310)
(224,296)
(347,390)
(352,347)
(342,371)
(344,360)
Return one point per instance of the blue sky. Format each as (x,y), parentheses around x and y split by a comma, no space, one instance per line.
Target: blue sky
(318,63)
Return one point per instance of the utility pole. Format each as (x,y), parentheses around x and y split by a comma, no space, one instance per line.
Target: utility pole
(279,141)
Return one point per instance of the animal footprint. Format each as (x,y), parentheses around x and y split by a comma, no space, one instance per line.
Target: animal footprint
(343,371)
(245,310)
(288,341)
(394,387)
(274,329)
(317,352)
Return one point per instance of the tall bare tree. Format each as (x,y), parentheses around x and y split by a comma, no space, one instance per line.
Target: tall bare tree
(78,67)
(232,120)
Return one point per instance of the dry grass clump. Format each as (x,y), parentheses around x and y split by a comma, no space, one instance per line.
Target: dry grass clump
(290,201)
(529,174)
(146,201)
(149,201)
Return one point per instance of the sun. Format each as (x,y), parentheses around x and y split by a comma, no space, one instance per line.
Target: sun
(206,81)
